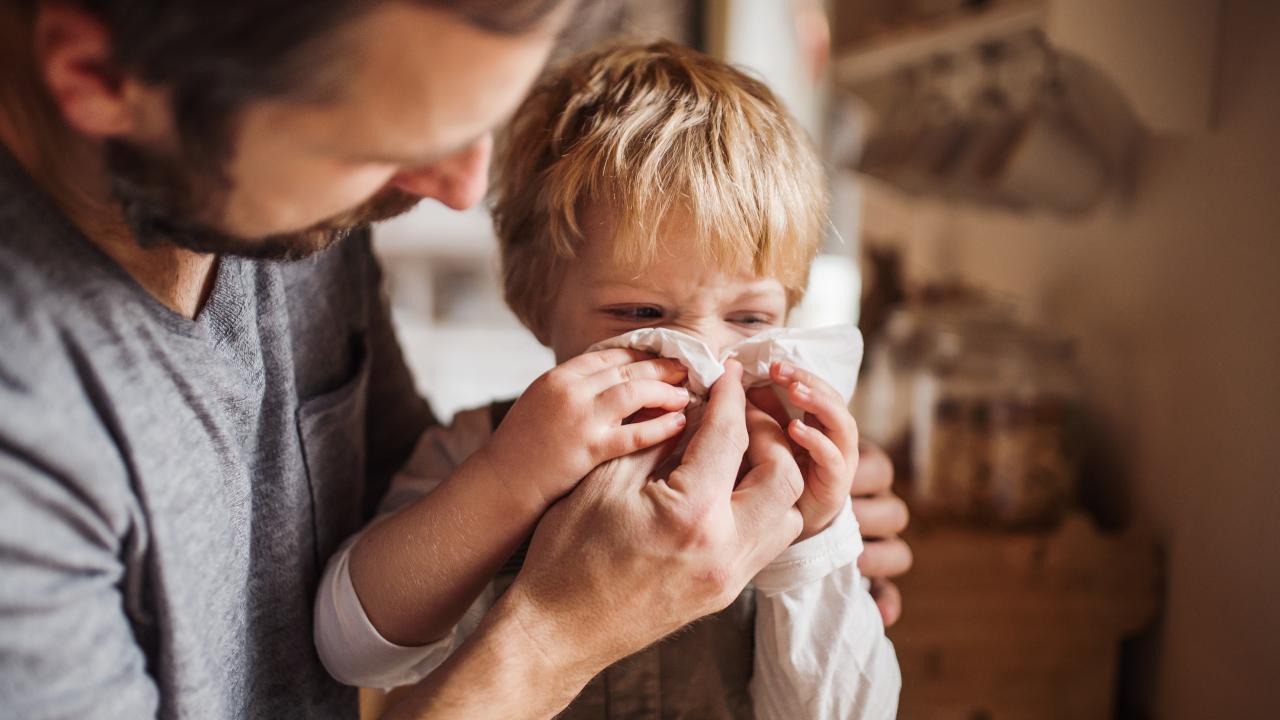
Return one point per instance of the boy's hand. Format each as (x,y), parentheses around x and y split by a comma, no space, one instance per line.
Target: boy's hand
(828,435)
(572,419)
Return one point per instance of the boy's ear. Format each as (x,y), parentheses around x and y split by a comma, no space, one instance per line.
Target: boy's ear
(539,331)
(74,56)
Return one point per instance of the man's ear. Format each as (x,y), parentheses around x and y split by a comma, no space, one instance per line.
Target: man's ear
(74,57)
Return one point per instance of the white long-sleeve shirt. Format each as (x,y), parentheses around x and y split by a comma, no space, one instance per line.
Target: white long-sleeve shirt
(820,648)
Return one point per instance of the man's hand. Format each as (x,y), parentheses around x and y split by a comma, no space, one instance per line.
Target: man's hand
(627,558)
(572,418)
(881,517)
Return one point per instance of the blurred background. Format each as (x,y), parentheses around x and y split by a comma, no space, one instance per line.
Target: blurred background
(1055,222)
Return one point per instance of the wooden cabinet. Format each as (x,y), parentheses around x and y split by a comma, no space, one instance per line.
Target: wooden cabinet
(1020,626)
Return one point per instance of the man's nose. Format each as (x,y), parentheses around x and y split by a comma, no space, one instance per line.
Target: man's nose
(459,181)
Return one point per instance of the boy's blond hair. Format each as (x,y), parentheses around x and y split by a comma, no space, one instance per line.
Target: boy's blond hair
(650,129)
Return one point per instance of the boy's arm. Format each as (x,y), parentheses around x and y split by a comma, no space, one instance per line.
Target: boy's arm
(355,653)
(446,527)
(418,570)
(353,648)
(821,651)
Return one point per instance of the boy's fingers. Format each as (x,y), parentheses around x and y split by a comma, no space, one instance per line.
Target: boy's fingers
(710,465)
(820,447)
(638,436)
(625,399)
(829,410)
(786,375)
(826,482)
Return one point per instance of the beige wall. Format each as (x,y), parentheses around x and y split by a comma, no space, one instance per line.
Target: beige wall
(1175,297)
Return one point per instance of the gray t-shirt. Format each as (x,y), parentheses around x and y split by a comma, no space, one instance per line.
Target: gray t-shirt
(171,489)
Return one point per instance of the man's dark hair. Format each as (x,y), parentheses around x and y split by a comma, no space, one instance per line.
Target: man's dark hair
(216,56)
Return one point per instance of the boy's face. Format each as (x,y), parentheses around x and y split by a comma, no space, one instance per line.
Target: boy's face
(681,290)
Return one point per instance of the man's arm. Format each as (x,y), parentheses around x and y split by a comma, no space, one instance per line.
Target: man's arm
(67,649)
(508,669)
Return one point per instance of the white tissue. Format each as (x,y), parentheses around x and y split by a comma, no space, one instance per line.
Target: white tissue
(832,353)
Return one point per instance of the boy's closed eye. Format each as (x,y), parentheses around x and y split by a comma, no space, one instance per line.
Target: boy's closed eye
(753,320)
(648,314)
(634,313)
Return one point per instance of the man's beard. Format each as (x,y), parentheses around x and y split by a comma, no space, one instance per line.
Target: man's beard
(163,203)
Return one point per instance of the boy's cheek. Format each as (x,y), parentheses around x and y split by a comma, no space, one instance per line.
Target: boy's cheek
(570,336)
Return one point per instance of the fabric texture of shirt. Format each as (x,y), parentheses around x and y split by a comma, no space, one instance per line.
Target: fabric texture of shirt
(170,489)
(806,641)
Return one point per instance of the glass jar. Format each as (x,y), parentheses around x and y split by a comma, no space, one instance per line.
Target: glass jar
(992,430)
(1034,454)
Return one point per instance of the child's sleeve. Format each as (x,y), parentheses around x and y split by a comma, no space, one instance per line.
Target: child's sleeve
(350,647)
(821,651)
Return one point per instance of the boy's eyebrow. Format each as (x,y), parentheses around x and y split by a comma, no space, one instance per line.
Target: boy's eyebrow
(607,282)
(756,288)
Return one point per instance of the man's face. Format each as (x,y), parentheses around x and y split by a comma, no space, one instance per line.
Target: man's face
(420,93)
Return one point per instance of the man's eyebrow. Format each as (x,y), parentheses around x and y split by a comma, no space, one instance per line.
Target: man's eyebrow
(418,160)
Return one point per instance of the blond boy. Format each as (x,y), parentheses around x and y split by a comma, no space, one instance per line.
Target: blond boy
(645,186)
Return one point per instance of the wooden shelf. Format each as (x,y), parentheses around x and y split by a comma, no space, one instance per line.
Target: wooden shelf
(882,55)
(1158,56)
(1021,625)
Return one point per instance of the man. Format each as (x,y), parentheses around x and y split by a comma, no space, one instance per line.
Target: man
(189,429)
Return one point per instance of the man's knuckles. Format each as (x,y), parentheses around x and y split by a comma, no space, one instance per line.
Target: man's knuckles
(691,523)
(720,584)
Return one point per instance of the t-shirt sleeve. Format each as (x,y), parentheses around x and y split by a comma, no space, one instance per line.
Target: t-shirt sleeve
(67,648)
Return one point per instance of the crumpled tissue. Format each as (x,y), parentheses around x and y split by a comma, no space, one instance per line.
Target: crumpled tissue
(832,353)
